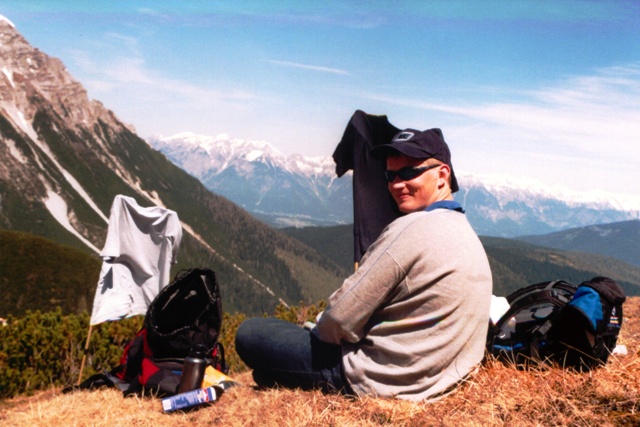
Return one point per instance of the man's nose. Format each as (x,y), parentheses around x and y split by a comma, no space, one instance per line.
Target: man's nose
(397,183)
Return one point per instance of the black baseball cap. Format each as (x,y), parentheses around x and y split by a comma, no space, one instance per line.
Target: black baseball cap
(420,145)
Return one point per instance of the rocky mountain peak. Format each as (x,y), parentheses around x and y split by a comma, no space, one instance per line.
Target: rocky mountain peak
(29,75)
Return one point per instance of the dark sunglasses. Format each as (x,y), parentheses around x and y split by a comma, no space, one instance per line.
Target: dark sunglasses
(408,173)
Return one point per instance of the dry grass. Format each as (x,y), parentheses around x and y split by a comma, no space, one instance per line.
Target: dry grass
(497,396)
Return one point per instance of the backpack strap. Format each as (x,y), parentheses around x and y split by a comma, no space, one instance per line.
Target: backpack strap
(588,301)
(591,323)
(555,289)
(607,288)
(537,335)
(104,379)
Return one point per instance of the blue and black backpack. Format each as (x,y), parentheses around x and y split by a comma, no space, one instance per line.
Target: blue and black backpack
(573,326)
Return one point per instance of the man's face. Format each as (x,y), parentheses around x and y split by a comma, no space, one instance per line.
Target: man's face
(414,194)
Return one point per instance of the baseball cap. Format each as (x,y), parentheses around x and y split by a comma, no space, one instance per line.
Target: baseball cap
(420,145)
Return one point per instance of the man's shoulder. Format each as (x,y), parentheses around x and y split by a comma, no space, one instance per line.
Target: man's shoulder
(419,223)
(433,215)
(439,222)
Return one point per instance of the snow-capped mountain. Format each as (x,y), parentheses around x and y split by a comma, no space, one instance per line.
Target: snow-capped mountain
(504,207)
(282,190)
(297,190)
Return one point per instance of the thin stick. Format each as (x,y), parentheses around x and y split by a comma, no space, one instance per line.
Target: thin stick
(84,354)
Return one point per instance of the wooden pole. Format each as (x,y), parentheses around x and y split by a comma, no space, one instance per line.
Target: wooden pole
(84,354)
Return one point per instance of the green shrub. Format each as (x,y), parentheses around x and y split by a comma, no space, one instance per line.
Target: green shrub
(42,350)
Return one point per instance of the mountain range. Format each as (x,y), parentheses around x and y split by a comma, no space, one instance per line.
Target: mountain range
(281,190)
(302,191)
(64,157)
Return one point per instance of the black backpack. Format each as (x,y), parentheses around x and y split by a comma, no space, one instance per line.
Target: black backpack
(187,313)
(559,322)
(524,333)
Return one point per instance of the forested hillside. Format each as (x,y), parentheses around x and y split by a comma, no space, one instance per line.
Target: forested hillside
(38,274)
(514,264)
(619,239)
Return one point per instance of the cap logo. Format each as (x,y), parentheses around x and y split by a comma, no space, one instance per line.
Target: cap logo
(404,136)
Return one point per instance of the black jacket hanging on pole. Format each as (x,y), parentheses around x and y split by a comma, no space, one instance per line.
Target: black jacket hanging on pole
(373,206)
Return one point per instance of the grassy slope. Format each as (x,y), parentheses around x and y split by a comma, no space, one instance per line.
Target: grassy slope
(497,395)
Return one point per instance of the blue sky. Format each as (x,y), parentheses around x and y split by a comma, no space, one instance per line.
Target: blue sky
(545,90)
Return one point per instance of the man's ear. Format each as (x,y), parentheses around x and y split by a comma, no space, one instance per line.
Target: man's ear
(444,175)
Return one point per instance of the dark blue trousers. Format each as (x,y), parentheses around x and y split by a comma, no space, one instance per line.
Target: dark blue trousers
(286,355)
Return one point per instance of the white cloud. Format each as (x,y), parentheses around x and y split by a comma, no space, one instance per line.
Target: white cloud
(129,71)
(310,67)
(152,12)
(131,43)
(585,113)
(582,131)
(126,71)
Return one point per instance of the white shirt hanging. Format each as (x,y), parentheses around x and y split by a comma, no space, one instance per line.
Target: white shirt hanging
(141,245)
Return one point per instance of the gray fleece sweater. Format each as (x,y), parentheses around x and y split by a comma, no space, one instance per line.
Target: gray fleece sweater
(412,321)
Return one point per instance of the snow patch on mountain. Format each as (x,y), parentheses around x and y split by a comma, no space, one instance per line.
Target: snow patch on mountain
(13,150)
(253,155)
(5,19)
(70,178)
(17,116)
(602,232)
(59,210)
(8,75)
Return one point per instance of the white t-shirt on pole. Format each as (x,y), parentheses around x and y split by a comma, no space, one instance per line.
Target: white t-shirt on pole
(141,245)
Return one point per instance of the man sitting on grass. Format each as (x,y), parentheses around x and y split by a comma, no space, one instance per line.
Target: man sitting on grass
(412,321)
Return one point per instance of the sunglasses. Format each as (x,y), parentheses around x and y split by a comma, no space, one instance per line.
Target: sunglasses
(408,173)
